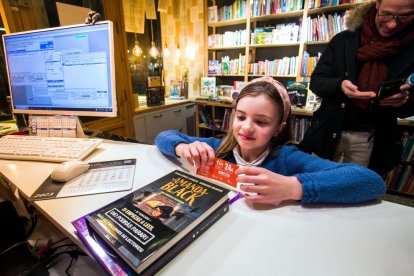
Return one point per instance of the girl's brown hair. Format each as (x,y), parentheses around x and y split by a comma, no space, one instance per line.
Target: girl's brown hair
(255,89)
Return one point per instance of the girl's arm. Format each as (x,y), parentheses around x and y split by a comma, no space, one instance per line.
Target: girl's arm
(196,151)
(310,179)
(330,182)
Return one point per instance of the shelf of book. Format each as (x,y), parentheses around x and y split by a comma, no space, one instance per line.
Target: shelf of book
(224,75)
(271,45)
(334,8)
(227,23)
(401,179)
(258,25)
(309,43)
(268,17)
(225,48)
(273,76)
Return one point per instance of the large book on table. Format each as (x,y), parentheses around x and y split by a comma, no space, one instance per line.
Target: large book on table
(144,225)
(115,265)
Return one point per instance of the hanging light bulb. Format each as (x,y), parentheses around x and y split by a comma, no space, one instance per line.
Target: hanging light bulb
(178,52)
(153,51)
(189,52)
(165,51)
(136,51)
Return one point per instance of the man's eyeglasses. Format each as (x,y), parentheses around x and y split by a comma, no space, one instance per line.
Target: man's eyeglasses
(399,18)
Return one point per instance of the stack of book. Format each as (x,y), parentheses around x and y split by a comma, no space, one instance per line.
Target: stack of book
(144,230)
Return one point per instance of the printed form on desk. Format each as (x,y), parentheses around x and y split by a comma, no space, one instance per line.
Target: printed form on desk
(102,177)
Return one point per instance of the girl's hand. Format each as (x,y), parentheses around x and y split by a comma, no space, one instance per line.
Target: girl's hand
(197,154)
(398,99)
(270,187)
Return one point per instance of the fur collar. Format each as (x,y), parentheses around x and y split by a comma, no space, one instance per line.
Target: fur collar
(355,19)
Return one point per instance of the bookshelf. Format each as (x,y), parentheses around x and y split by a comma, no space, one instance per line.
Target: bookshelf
(284,44)
(401,179)
(270,40)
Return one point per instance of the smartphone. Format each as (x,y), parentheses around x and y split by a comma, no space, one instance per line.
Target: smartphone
(389,88)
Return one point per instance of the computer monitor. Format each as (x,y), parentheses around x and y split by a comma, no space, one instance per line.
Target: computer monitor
(62,71)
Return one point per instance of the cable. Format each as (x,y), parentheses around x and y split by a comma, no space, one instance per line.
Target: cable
(74,257)
(13,246)
(70,264)
(72,253)
(32,227)
(51,253)
(41,252)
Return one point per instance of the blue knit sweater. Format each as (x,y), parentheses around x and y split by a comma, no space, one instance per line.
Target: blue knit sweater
(322,180)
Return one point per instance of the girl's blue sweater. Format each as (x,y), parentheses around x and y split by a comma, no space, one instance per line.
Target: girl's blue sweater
(322,180)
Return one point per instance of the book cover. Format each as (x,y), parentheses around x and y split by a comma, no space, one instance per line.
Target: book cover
(143,225)
(298,92)
(224,92)
(114,265)
(212,14)
(208,87)
(175,88)
(213,67)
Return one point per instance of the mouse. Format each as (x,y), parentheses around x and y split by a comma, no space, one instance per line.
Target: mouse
(69,170)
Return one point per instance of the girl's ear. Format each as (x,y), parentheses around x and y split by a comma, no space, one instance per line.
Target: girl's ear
(279,129)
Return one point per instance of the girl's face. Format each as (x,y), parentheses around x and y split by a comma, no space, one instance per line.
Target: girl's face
(255,123)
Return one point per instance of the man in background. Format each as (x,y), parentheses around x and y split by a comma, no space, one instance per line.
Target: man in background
(377,46)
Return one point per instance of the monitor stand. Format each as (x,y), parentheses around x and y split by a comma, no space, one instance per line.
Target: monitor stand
(79,129)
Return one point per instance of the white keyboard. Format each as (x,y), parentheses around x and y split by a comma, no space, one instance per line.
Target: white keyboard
(51,149)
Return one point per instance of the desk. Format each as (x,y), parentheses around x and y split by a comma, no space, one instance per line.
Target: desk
(374,239)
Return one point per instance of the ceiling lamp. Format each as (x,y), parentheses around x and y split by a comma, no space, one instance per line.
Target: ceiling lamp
(136,51)
(178,52)
(153,51)
(165,51)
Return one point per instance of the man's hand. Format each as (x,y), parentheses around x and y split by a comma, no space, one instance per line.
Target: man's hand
(398,99)
(352,91)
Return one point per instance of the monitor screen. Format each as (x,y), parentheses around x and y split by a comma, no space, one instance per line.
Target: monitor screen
(62,71)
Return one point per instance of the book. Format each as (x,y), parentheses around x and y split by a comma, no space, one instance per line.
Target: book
(114,265)
(175,88)
(143,225)
(208,87)
(213,67)
(224,92)
(212,14)
(238,86)
(297,92)
(154,81)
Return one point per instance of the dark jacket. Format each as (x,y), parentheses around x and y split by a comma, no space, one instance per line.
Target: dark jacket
(337,63)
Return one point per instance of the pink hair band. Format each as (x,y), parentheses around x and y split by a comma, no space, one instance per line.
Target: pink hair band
(282,92)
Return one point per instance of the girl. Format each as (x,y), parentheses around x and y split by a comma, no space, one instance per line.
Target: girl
(255,142)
